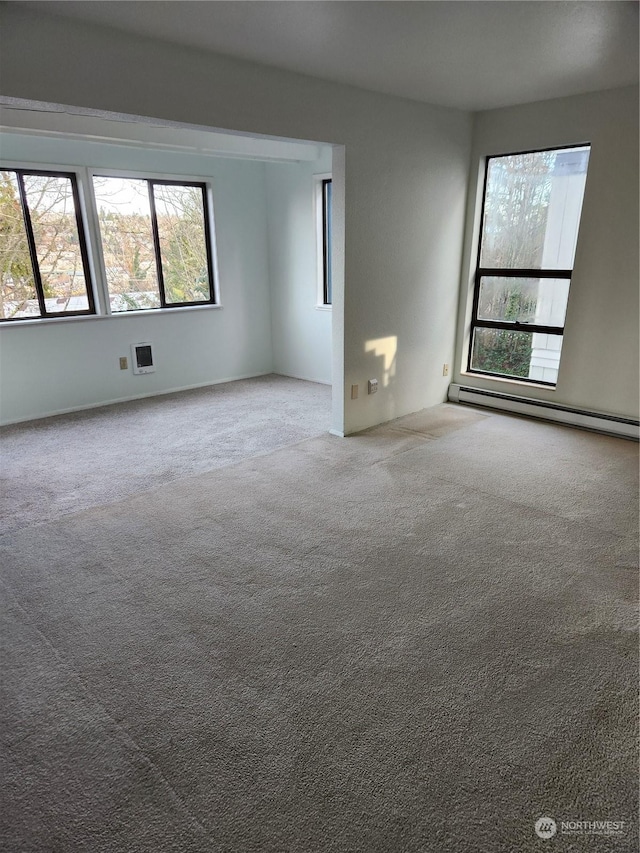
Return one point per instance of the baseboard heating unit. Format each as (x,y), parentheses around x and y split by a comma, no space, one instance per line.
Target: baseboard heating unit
(625,427)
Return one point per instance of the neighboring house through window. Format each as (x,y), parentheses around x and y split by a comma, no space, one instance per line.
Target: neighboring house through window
(530,216)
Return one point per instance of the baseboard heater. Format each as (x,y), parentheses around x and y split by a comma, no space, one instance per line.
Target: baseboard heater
(626,427)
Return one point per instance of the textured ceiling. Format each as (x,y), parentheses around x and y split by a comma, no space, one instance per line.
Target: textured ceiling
(470,55)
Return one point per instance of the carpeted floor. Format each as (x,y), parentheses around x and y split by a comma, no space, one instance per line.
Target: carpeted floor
(421,638)
(60,465)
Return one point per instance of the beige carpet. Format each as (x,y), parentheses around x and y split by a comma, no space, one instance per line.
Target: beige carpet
(421,638)
(60,465)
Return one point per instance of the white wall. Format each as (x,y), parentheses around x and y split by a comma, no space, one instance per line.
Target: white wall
(399,184)
(53,366)
(301,332)
(599,363)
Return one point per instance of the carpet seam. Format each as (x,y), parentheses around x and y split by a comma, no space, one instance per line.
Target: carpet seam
(157,487)
(401,452)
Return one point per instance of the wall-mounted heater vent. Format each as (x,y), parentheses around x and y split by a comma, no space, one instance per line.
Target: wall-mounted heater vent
(142,358)
(626,427)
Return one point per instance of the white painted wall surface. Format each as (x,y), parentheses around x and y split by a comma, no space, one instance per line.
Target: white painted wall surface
(53,366)
(599,363)
(399,189)
(301,333)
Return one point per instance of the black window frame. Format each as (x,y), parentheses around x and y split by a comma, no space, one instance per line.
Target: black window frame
(327,297)
(33,252)
(512,272)
(155,236)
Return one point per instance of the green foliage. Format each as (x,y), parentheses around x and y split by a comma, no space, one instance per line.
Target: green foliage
(502,351)
(138,272)
(514,227)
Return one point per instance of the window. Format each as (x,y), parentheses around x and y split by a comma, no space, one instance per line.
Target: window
(156,242)
(323,206)
(530,217)
(44,270)
(326,242)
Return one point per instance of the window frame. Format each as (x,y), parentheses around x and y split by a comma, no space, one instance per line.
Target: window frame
(512,272)
(209,230)
(33,252)
(323,237)
(327,297)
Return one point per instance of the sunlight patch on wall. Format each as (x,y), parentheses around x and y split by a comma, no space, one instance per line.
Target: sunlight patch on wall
(385,348)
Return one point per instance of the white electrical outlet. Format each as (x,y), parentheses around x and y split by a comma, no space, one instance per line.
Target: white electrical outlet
(373,386)
(445,369)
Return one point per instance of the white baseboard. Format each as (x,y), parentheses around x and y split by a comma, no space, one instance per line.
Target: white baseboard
(131,398)
(303,378)
(336,432)
(598,421)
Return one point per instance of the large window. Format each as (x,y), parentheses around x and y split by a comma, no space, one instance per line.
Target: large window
(156,242)
(44,271)
(530,217)
(154,236)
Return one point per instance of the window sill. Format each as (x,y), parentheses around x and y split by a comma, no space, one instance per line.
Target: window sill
(504,380)
(89,318)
